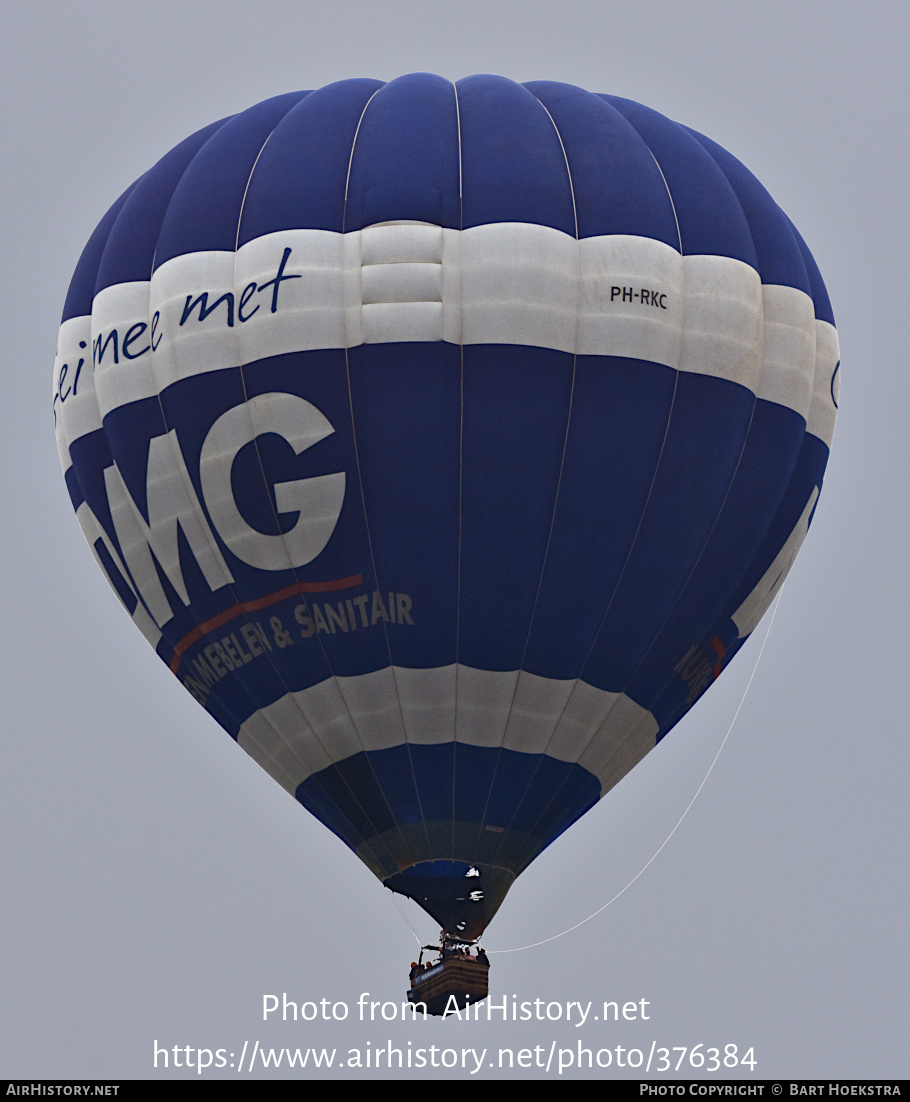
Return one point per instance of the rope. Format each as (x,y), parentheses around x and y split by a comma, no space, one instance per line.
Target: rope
(622,891)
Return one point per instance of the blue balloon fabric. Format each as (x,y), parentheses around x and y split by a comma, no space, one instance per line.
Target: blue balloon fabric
(446,441)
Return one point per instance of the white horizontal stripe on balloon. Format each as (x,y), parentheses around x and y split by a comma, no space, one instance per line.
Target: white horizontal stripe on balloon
(625,736)
(286,759)
(611,268)
(506,283)
(74,402)
(570,721)
(427,702)
(403,282)
(198,307)
(519,285)
(826,386)
(402,243)
(722,323)
(121,345)
(788,355)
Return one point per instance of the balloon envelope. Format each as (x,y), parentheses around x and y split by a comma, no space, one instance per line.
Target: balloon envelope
(446,441)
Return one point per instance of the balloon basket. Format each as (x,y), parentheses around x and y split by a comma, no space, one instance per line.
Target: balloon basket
(452,984)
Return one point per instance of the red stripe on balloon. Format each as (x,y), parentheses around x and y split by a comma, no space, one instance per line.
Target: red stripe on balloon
(254,606)
(721,651)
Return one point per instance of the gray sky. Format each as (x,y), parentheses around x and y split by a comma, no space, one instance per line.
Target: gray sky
(155,884)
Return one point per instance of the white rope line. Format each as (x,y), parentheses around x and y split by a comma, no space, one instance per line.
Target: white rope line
(660,848)
(404,913)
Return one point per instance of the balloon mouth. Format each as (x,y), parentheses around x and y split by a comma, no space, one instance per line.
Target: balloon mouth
(461,897)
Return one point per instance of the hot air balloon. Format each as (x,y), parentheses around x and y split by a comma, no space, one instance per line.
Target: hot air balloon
(446,441)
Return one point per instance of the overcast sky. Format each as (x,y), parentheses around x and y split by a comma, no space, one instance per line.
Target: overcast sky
(155,883)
